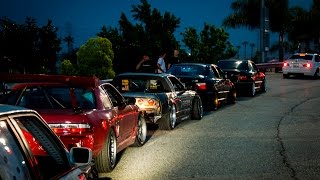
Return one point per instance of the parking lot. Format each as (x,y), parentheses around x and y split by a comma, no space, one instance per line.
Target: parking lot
(274,135)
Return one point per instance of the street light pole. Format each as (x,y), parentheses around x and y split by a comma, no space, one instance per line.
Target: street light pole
(262,17)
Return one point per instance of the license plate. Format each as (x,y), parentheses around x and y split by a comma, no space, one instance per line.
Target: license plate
(295,65)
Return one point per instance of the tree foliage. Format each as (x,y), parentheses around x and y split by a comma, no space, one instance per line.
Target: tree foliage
(67,67)
(28,48)
(95,58)
(210,45)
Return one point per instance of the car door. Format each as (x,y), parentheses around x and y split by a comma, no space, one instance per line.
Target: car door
(183,97)
(258,76)
(219,83)
(125,113)
(227,84)
(43,147)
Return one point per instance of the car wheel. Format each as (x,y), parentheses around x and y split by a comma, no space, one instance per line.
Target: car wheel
(263,86)
(197,109)
(252,89)
(168,121)
(232,96)
(316,74)
(285,76)
(106,160)
(215,103)
(141,132)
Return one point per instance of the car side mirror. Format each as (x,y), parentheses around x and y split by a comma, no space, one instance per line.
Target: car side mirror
(81,156)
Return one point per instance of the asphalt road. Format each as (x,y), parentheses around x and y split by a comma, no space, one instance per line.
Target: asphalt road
(274,135)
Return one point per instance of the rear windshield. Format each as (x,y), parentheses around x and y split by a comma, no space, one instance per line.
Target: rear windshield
(138,84)
(242,65)
(301,57)
(189,70)
(51,98)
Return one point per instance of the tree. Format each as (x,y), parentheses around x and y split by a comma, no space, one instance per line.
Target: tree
(245,43)
(95,58)
(30,48)
(67,68)
(252,45)
(246,13)
(49,46)
(153,32)
(210,45)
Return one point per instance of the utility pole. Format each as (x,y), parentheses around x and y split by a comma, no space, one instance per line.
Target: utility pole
(264,31)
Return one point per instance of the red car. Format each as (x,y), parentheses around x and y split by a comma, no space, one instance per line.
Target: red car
(83,112)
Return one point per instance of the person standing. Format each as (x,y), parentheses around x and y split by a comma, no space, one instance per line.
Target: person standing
(146,65)
(161,63)
(174,59)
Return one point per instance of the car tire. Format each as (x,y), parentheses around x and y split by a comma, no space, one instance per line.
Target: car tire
(168,121)
(214,103)
(106,160)
(252,89)
(141,134)
(232,96)
(263,86)
(316,74)
(285,76)
(197,109)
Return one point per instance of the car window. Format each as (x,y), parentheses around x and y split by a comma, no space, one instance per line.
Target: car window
(12,161)
(137,84)
(178,86)
(316,58)
(45,147)
(216,73)
(242,65)
(301,57)
(113,93)
(188,70)
(254,67)
(106,101)
(221,73)
(52,98)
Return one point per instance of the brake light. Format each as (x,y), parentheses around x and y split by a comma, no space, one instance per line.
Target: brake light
(285,64)
(242,78)
(70,128)
(201,86)
(146,102)
(308,65)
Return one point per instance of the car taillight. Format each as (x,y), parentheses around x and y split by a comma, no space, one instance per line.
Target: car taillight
(201,86)
(308,65)
(146,102)
(285,64)
(70,128)
(242,78)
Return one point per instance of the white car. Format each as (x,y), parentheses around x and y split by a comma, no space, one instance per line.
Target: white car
(306,64)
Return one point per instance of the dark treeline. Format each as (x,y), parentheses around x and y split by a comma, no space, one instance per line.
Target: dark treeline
(28,48)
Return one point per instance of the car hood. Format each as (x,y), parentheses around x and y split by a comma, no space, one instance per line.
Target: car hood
(52,116)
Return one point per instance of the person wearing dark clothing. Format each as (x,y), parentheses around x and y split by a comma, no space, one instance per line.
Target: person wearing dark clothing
(146,65)
(174,59)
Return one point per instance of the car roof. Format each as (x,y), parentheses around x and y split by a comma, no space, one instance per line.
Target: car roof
(194,64)
(9,109)
(243,60)
(303,54)
(143,74)
(45,78)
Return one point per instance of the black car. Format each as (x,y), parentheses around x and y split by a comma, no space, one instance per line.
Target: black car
(162,97)
(209,82)
(245,75)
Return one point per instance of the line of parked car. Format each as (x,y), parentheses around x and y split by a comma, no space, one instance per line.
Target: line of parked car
(106,116)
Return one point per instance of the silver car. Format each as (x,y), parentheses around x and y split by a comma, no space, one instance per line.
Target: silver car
(29,149)
(306,64)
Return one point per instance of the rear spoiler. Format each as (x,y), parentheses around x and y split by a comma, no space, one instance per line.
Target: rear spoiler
(64,79)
